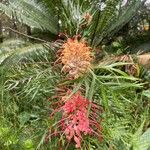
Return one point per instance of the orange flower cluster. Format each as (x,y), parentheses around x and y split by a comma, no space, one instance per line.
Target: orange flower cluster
(76,57)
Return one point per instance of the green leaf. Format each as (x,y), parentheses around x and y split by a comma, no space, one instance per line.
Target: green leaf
(146,93)
(24,117)
(136,137)
(145,140)
(28,144)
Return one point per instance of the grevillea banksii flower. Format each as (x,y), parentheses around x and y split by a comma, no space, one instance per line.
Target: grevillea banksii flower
(77,119)
(76,57)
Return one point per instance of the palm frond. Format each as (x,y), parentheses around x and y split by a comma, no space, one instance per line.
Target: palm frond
(22,52)
(31,13)
(113,18)
(73,15)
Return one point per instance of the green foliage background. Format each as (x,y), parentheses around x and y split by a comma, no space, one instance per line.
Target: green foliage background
(28,78)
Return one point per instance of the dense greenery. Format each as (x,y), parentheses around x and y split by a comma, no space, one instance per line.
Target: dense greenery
(29,78)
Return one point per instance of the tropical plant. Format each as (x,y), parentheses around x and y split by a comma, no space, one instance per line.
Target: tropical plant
(59,94)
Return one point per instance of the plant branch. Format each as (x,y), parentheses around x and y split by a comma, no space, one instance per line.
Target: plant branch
(29,36)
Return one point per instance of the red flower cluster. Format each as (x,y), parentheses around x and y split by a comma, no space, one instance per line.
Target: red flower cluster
(75,109)
(79,117)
